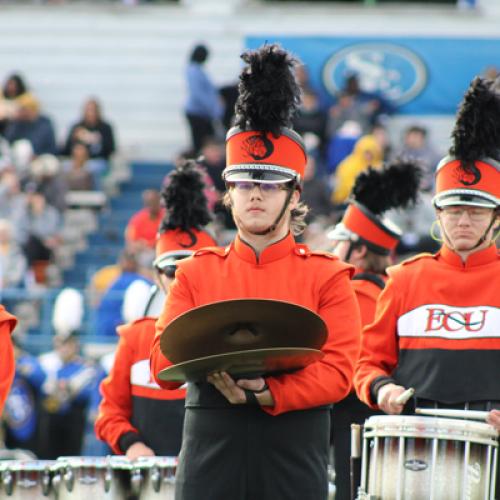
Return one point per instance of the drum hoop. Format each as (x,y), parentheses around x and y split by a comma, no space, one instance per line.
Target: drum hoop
(425,434)
(27,465)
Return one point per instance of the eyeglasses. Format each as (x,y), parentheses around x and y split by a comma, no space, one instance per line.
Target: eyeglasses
(476,214)
(247,187)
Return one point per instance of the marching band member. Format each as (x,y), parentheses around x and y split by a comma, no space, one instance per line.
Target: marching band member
(7,362)
(265,437)
(365,239)
(136,417)
(436,322)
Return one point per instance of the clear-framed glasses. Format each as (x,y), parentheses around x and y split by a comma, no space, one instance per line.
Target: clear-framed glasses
(265,188)
(475,214)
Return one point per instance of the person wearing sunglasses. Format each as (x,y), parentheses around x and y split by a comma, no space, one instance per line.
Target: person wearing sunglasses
(265,437)
(436,326)
(136,417)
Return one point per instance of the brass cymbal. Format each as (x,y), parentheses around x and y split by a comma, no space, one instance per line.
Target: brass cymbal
(241,364)
(240,325)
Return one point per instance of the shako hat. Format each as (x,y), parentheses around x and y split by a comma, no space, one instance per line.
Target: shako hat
(375,191)
(470,174)
(262,147)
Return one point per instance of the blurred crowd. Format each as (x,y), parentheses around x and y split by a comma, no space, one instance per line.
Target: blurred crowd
(55,396)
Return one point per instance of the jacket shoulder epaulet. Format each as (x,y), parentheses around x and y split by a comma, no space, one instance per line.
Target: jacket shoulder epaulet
(417,257)
(305,251)
(220,251)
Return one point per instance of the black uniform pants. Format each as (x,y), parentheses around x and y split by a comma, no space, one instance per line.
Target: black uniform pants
(242,453)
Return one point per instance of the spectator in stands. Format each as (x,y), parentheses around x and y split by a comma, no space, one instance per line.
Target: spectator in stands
(39,228)
(45,173)
(213,158)
(21,413)
(93,131)
(142,228)
(13,88)
(109,311)
(229,94)
(367,152)
(12,200)
(416,147)
(203,108)
(310,118)
(315,191)
(12,261)
(66,393)
(29,124)
(77,174)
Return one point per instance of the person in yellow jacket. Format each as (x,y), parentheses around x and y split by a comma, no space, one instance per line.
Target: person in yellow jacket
(367,153)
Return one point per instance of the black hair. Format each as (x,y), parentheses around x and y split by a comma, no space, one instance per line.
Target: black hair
(199,54)
(21,86)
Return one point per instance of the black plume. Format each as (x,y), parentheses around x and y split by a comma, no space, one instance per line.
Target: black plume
(477,130)
(184,199)
(268,91)
(395,185)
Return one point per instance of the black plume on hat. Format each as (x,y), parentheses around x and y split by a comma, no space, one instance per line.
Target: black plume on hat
(476,133)
(184,199)
(395,185)
(269,93)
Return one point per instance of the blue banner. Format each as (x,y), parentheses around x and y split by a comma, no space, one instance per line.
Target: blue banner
(416,75)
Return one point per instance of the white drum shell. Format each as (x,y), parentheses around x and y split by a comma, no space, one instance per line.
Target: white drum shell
(415,458)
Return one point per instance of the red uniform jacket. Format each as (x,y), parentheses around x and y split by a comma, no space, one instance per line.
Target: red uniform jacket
(284,271)
(132,401)
(436,329)
(367,294)
(7,363)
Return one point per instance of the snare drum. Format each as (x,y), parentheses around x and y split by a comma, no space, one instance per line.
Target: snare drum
(26,479)
(92,478)
(415,458)
(154,477)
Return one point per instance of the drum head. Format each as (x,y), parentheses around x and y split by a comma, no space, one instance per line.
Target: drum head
(242,364)
(241,325)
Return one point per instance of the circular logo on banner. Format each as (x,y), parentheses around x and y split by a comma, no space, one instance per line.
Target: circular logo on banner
(395,72)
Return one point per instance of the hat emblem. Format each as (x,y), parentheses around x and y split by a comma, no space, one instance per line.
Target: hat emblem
(258,146)
(469,177)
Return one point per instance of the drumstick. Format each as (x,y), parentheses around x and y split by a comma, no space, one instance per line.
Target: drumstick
(405,396)
(443,412)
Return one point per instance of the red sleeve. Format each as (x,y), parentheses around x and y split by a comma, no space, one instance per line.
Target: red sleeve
(179,300)
(115,409)
(379,348)
(7,362)
(330,379)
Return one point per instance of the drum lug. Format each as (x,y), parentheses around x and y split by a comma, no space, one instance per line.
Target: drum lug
(56,481)
(69,479)
(136,480)
(108,478)
(156,479)
(7,482)
(46,484)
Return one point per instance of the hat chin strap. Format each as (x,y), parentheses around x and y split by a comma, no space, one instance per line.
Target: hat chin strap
(274,225)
